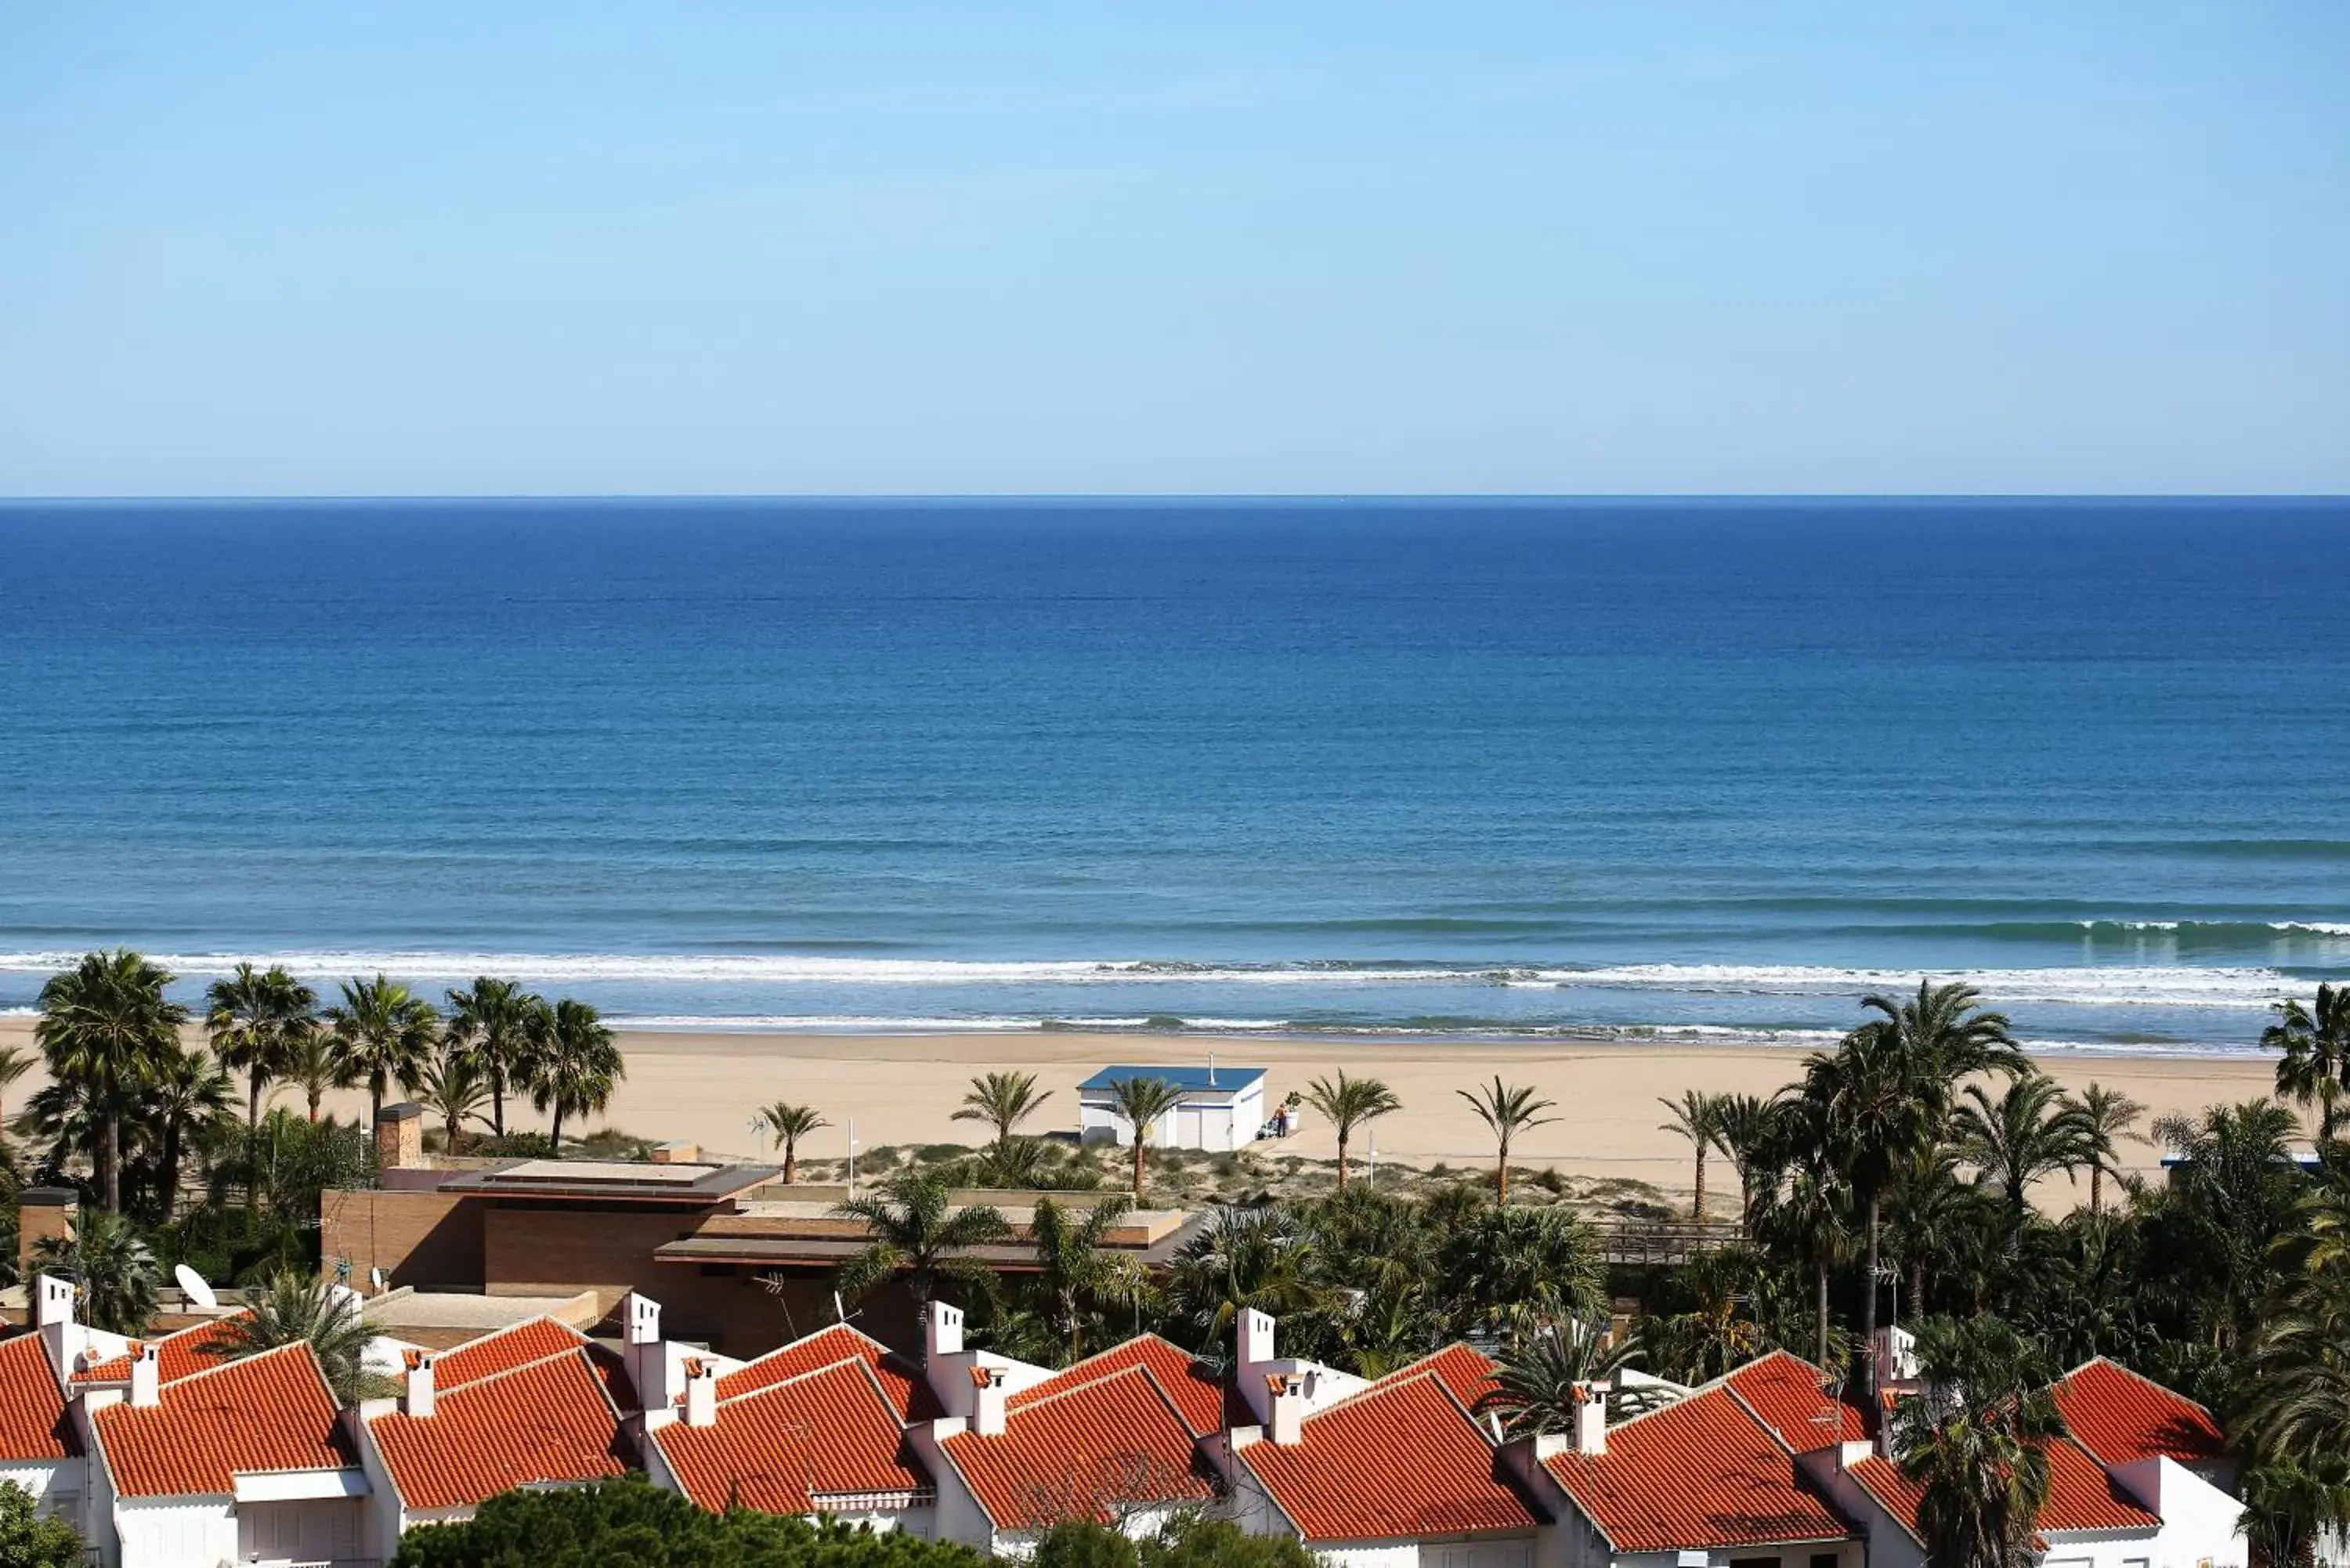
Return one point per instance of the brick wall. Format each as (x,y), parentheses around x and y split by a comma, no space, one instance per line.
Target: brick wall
(427,1239)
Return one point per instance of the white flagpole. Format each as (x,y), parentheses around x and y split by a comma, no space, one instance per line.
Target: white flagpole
(852,1156)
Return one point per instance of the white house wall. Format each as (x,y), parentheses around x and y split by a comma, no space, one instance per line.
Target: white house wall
(2200,1524)
(312,1529)
(56,1486)
(177,1533)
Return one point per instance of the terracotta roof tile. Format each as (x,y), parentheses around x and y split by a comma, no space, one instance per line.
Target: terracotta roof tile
(1791,1397)
(1197,1389)
(534,1339)
(2123,1417)
(179,1355)
(1464,1369)
(785,1449)
(1705,1473)
(550,1421)
(2081,1495)
(1081,1452)
(1400,1460)
(268,1412)
(902,1381)
(33,1424)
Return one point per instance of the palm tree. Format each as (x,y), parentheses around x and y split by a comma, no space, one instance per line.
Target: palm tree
(14,1061)
(576,1067)
(385,1035)
(1141,1102)
(1264,1259)
(115,1275)
(1747,1129)
(256,1020)
(2295,1408)
(295,1308)
(1889,1097)
(104,1026)
(453,1084)
(1512,1270)
(187,1092)
(916,1233)
(787,1124)
(2029,1132)
(1977,1443)
(1348,1103)
(2109,1116)
(1544,1378)
(2315,1066)
(1072,1268)
(1506,1110)
(498,1023)
(1696,1117)
(314,1062)
(1001,1100)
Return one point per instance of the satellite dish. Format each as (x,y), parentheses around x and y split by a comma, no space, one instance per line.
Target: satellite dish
(192,1286)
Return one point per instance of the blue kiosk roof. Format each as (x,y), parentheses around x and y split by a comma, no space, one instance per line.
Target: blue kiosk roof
(1185,1078)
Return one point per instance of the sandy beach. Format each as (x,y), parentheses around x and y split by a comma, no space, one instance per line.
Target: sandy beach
(703,1087)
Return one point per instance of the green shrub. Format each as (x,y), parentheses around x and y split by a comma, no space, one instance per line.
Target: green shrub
(631,1524)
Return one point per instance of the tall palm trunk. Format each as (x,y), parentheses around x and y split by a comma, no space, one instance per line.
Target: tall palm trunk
(375,1102)
(1697,1208)
(171,1172)
(2097,1187)
(252,1140)
(1868,1308)
(791,1160)
(1342,1162)
(314,1096)
(498,1103)
(113,1160)
(1138,1163)
(1820,1277)
(555,1137)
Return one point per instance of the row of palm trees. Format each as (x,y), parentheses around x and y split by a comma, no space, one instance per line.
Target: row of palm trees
(111,1038)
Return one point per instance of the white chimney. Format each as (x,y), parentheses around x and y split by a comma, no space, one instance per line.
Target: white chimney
(990,1399)
(646,1355)
(52,1309)
(1287,1425)
(146,1375)
(943,1331)
(1548,1445)
(701,1393)
(1590,1419)
(1255,1338)
(416,1391)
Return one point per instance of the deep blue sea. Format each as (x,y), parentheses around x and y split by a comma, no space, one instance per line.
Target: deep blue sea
(1679,767)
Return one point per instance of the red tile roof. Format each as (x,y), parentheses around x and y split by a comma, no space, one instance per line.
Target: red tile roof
(1467,1371)
(33,1424)
(1400,1461)
(266,1412)
(1198,1390)
(2081,1495)
(179,1355)
(901,1381)
(785,1449)
(1791,1397)
(1081,1453)
(536,1339)
(550,1421)
(1704,1473)
(2123,1417)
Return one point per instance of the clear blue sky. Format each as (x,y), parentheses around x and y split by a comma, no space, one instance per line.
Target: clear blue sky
(1186,247)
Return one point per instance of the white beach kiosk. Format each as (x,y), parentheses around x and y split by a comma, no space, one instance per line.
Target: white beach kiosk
(1222,1108)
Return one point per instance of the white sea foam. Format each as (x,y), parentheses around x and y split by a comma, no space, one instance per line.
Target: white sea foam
(2087,985)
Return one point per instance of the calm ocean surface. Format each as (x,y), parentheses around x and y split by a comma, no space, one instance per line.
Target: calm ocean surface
(1440,767)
